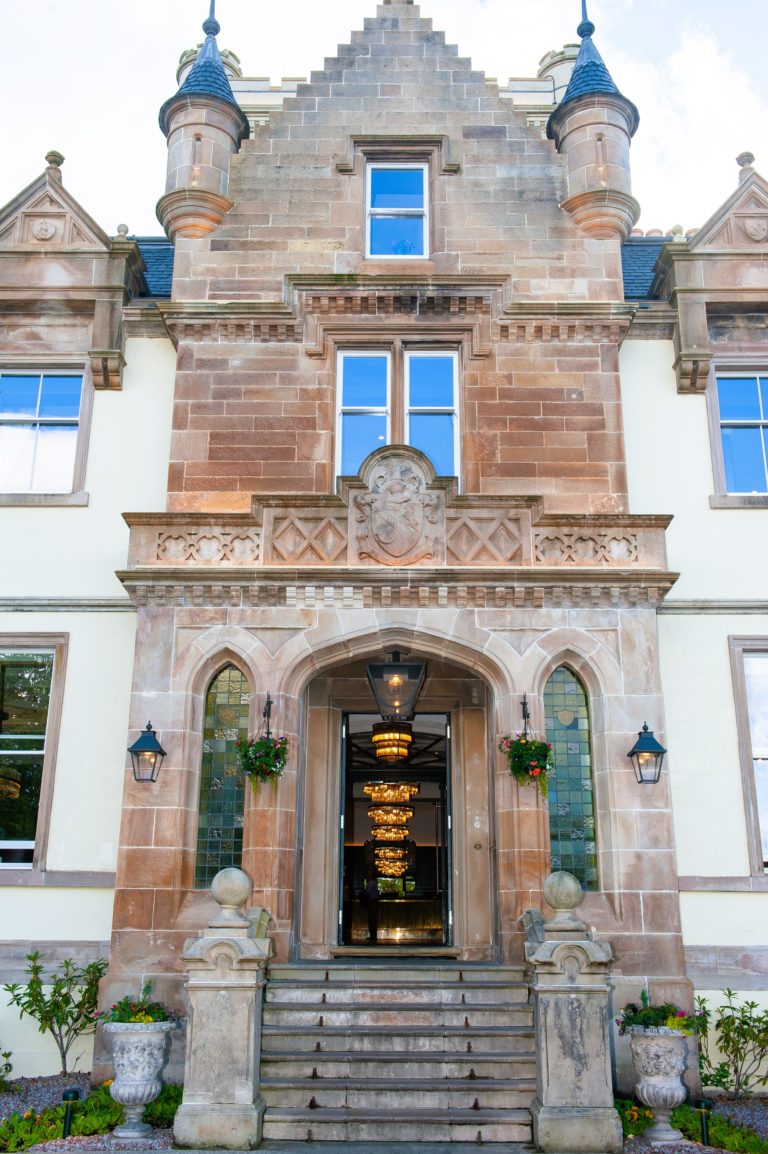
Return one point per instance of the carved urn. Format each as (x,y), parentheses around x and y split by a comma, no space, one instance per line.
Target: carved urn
(139,1052)
(658,1056)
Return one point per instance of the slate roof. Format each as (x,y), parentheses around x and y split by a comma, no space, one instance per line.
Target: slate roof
(158,257)
(638,259)
(589,74)
(207,77)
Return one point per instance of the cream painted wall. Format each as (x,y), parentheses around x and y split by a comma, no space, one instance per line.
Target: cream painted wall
(57,915)
(74,552)
(703,760)
(34,1054)
(720,553)
(724,920)
(90,765)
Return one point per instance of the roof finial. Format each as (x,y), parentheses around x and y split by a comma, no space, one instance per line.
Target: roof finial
(586,28)
(211,26)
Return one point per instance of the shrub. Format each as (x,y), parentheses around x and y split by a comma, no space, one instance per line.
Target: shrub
(96,1114)
(741,1032)
(5,1069)
(68,1009)
(723,1135)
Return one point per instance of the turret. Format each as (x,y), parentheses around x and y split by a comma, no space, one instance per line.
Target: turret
(204,126)
(593,127)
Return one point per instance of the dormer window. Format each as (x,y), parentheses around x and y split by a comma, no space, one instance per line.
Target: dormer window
(397,211)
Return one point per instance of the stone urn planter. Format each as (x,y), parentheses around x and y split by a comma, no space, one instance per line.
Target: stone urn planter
(658,1056)
(139,1052)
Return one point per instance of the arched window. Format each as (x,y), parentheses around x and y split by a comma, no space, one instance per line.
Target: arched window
(222,791)
(571,794)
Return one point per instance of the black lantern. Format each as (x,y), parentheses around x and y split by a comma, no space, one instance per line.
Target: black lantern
(146,755)
(647,756)
(396,685)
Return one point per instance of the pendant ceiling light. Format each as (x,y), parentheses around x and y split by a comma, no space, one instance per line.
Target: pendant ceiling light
(390,814)
(391,792)
(390,832)
(396,685)
(392,740)
(391,853)
(393,869)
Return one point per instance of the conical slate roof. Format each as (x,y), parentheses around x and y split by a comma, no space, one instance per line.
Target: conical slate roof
(207,76)
(590,77)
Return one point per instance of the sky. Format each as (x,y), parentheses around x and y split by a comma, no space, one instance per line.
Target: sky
(87,78)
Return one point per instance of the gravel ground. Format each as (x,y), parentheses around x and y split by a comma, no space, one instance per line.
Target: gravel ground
(36,1093)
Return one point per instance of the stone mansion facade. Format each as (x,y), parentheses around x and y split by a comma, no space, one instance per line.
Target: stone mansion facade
(401,387)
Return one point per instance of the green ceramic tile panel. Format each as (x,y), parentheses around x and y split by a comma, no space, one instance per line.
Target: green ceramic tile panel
(222,788)
(571,805)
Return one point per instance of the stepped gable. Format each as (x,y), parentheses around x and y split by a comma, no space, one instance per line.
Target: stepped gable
(496,187)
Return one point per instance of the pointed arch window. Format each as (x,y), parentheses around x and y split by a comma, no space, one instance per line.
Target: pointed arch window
(222,789)
(571,792)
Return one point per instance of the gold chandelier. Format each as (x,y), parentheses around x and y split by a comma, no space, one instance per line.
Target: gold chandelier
(390,814)
(391,792)
(391,832)
(391,853)
(395,869)
(392,740)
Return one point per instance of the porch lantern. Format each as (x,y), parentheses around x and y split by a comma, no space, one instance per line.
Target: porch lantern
(647,755)
(392,740)
(396,685)
(146,755)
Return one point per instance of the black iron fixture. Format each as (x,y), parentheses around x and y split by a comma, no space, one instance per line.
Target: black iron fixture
(266,714)
(146,755)
(396,686)
(647,755)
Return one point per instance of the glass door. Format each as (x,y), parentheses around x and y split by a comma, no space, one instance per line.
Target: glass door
(395,827)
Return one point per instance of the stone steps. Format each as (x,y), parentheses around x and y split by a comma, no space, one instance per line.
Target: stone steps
(399,1053)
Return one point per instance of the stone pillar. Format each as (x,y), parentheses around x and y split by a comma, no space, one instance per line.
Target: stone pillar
(573,1110)
(222,1106)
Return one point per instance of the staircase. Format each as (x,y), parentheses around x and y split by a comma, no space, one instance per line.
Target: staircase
(384,1052)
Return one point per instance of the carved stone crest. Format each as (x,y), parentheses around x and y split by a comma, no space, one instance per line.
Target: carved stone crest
(43,229)
(756,228)
(400,519)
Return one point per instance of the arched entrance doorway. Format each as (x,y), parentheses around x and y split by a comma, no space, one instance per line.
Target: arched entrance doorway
(444,900)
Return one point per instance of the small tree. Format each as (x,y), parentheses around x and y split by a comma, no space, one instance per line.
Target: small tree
(68,1009)
(741,1032)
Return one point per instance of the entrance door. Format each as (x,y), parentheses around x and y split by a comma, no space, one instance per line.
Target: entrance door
(396,824)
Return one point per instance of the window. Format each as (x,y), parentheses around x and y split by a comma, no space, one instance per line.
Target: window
(749,656)
(399,396)
(397,216)
(742,410)
(39,420)
(571,794)
(222,789)
(25,697)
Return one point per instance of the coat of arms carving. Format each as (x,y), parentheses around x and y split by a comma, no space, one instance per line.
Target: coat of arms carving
(399,518)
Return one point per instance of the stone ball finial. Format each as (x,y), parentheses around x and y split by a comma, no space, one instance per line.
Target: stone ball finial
(745,158)
(563,891)
(122,230)
(231,888)
(54,159)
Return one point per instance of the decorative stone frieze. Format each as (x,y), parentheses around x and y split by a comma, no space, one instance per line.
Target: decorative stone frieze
(398,513)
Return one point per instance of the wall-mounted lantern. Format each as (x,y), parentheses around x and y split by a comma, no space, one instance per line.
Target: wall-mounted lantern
(146,755)
(647,755)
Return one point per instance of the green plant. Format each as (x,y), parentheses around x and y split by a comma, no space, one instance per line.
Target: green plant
(717,1075)
(6,1069)
(666,1015)
(263,758)
(96,1114)
(741,1033)
(138,1010)
(68,1009)
(634,1117)
(723,1135)
(529,761)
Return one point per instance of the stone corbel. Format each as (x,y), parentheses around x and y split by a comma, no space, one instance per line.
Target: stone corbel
(693,352)
(107,360)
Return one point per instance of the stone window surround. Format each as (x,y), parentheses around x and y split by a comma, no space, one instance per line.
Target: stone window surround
(41,364)
(397,348)
(58,644)
(721,498)
(738,647)
(424,214)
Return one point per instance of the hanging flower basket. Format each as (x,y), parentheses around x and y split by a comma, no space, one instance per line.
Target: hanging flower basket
(529,761)
(263,758)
